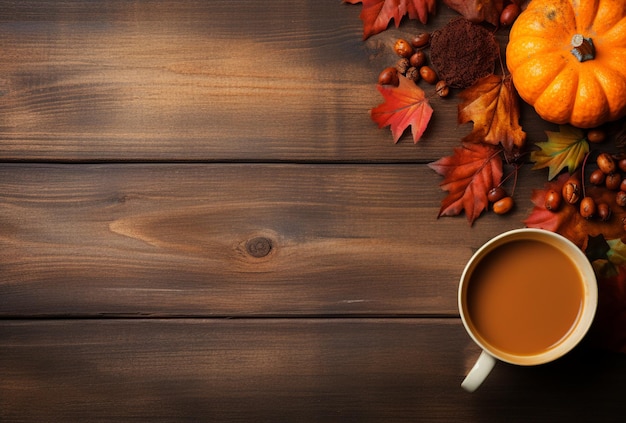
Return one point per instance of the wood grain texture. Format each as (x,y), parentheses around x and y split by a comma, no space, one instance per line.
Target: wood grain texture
(183,239)
(203,81)
(200,222)
(270,370)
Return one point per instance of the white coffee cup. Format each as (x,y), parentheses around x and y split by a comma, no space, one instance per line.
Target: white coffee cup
(502,312)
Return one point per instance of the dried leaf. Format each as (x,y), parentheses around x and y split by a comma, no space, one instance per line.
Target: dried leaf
(564,149)
(376,14)
(478,10)
(493,105)
(405,105)
(568,222)
(468,174)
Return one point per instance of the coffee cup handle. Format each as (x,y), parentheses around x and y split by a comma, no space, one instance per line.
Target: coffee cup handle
(479,372)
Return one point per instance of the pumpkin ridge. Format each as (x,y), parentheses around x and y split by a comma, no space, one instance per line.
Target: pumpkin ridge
(600,105)
(586,13)
(550,105)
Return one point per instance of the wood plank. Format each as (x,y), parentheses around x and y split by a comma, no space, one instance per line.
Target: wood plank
(268,370)
(204,80)
(190,239)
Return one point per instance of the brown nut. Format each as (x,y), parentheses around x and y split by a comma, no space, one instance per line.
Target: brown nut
(571,190)
(403,48)
(604,212)
(613,181)
(622,164)
(420,40)
(553,200)
(428,74)
(495,194)
(418,59)
(606,163)
(509,14)
(503,205)
(413,74)
(442,89)
(587,207)
(596,136)
(388,76)
(402,65)
(597,177)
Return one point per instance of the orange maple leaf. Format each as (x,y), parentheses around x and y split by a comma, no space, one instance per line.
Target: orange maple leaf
(468,174)
(405,105)
(376,14)
(493,105)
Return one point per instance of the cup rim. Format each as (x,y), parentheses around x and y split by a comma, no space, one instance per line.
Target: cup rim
(590,295)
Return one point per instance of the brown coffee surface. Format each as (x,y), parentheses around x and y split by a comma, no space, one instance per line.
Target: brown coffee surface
(524,297)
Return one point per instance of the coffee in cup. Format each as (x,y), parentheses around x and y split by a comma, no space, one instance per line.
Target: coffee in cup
(526,297)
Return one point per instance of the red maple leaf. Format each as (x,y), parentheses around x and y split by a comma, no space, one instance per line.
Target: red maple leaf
(468,174)
(405,105)
(376,14)
(568,222)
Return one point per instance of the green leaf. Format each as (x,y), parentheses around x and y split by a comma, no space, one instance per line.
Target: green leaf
(566,148)
(617,253)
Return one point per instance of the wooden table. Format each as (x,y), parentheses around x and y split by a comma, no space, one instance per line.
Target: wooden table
(200,222)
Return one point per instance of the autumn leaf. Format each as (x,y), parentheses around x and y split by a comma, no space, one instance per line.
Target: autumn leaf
(478,10)
(617,252)
(564,149)
(568,222)
(468,174)
(376,14)
(405,105)
(493,105)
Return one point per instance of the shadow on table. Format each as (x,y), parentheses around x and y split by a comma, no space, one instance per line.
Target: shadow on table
(587,385)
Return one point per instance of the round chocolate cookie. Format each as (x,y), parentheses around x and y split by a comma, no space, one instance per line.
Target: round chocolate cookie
(463,52)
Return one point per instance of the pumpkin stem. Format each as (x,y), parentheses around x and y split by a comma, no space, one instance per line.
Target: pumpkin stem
(583,48)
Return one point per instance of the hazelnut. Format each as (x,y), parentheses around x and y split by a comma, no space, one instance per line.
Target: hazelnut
(412,74)
(388,76)
(495,194)
(596,136)
(509,14)
(428,74)
(403,48)
(613,181)
(418,59)
(503,205)
(606,163)
(442,89)
(553,200)
(587,207)
(571,190)
(420,40)
(402,65)
(597,177)
(604,212)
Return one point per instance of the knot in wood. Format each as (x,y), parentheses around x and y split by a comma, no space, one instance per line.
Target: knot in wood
(259,247)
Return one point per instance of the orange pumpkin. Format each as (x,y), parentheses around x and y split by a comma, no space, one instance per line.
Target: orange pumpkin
(567,58)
